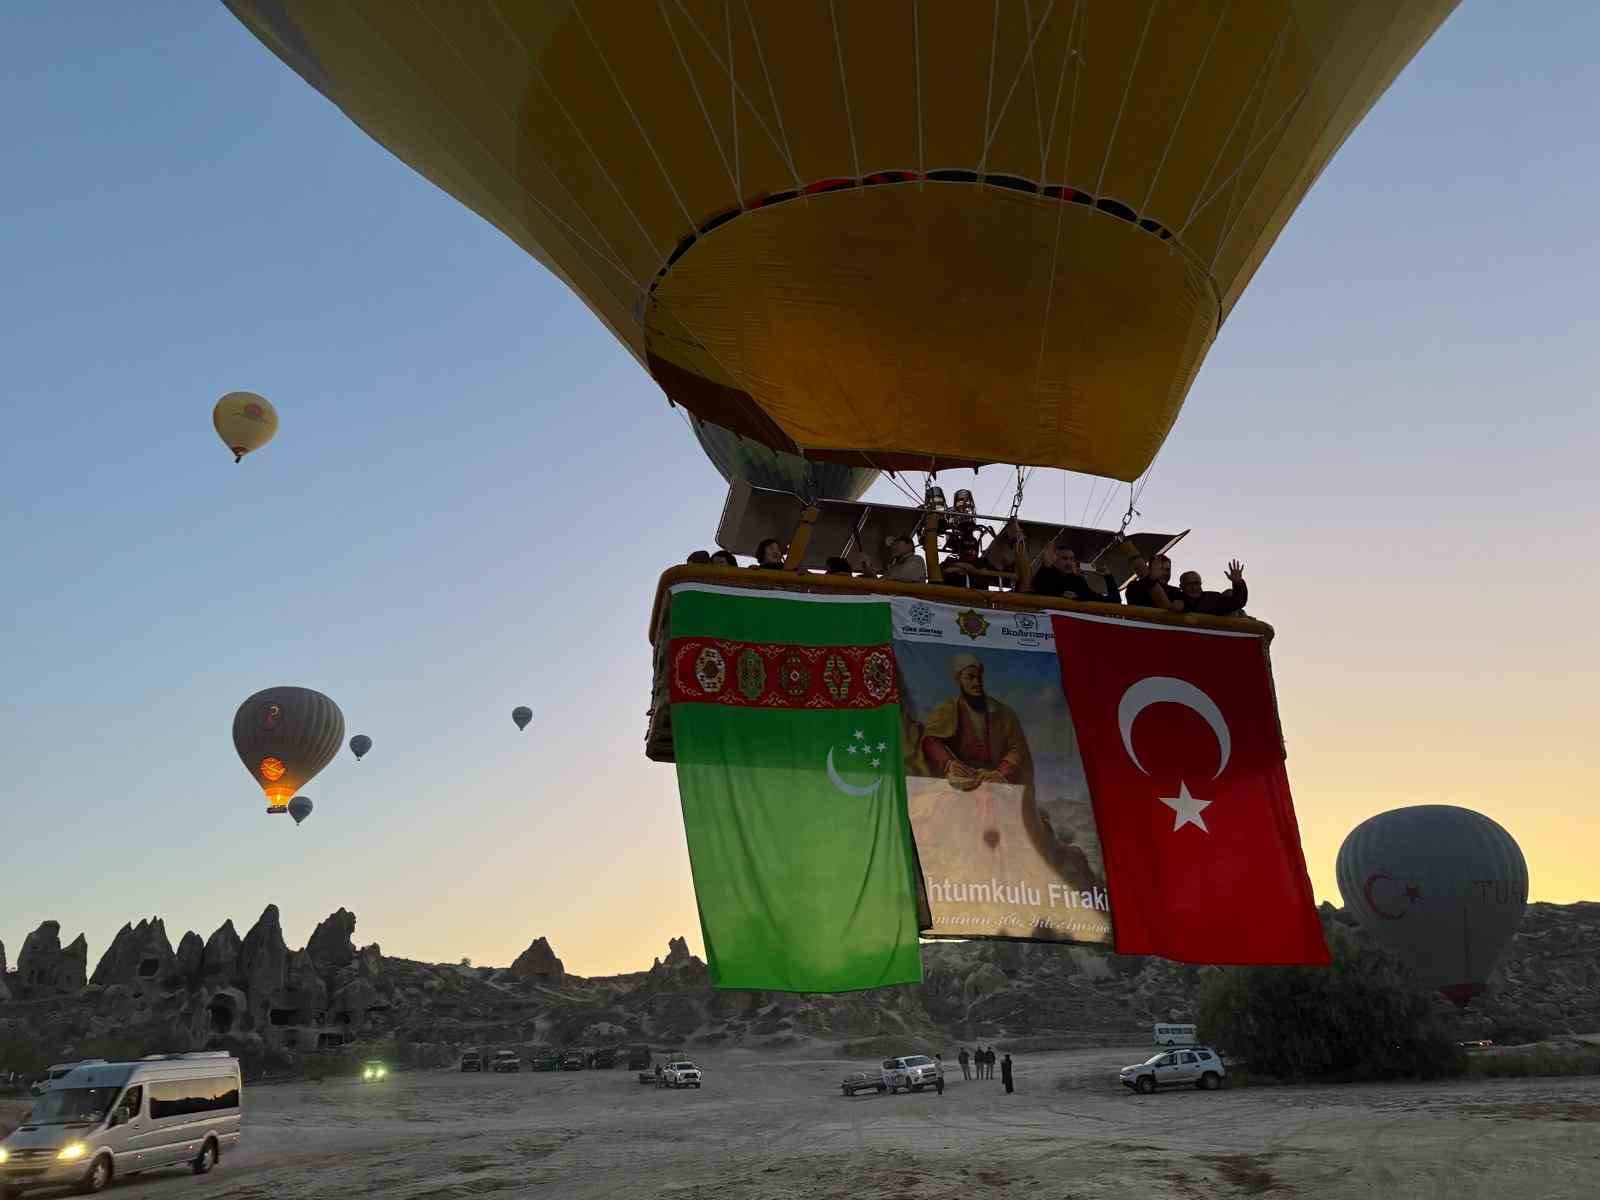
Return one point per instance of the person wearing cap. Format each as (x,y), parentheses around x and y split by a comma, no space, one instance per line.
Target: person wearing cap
(972,738)
(905,565)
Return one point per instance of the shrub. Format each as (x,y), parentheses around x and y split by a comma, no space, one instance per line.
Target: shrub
(1358,1019)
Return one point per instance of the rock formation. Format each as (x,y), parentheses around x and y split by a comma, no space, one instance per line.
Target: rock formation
(43,966)
(332,943)
(138,954)
(538,961)
(5,992)
(190,959)
(263,957)
(220,960)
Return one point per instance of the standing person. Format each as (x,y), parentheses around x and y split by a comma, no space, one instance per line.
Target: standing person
(1196,599)
(1005,1074)
(964,1058)
(905,565)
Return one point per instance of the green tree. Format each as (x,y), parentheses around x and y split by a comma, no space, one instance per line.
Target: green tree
(1361,1018)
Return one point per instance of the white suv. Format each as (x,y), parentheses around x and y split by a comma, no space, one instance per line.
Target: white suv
(681,1074)
(1197,1065)
(913,1072)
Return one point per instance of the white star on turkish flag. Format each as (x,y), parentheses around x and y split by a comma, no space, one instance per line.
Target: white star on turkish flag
(1186,809)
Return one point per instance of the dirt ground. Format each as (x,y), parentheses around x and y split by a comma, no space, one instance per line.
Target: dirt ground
(774,1125)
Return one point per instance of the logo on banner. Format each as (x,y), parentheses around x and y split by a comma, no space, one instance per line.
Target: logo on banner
(1026,630)
(1163,689)
(972,623)
(921,613)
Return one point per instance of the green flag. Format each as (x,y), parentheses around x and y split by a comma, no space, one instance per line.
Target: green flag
(786,727)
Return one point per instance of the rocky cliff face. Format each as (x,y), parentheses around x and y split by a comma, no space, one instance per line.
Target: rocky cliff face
(256,992)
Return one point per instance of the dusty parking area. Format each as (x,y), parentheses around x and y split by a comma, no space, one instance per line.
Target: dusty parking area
(774,1125)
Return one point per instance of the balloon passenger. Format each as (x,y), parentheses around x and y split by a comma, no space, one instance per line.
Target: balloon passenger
(699,558)
(723,558)
(1151,587)
(1196,599)
(770,555)
(905,565)
(1060,575)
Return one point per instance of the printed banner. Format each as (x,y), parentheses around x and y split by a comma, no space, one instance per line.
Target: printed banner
(995,787)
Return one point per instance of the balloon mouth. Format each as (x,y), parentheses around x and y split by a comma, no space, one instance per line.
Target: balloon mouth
(238,452)
(1460,993)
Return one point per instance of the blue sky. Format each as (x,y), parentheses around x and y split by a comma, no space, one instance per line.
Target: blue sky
(474,489)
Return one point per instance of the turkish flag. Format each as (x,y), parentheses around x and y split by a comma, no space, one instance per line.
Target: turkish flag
(1179,735)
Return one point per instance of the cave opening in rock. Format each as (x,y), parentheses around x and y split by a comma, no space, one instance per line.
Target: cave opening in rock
(221,1012)
(148,967)
(284,1016)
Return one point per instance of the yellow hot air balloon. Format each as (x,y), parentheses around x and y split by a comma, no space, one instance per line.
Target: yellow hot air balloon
(245,422)
(901,235)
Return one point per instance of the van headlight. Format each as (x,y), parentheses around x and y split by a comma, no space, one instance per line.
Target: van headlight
(72,1152)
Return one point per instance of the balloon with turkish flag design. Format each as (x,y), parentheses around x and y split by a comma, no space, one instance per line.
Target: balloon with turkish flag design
(1182,750)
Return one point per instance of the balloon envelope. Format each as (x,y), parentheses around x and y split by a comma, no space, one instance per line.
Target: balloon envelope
(522,715)
(244,421)
(360,744)
(740,458)
(1443,887)
(284,736)
(300,808)
(896,235)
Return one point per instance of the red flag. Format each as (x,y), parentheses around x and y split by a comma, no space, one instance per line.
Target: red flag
(1181,746)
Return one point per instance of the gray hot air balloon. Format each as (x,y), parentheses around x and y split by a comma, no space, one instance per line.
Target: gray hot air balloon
(522,714)
(284,736)
(1441,886)
(300,808)
(360,744)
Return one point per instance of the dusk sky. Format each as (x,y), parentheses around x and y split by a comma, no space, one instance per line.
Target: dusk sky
(475,488)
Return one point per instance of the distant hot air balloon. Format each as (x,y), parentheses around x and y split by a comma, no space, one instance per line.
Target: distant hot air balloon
(245,422)
(522,714)
(1443,887)
(360,744)
(300,808)
(284,736)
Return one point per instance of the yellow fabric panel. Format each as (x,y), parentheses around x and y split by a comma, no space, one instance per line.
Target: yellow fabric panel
(949,318)
(929,299)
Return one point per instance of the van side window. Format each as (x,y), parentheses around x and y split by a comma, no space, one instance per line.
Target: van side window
(186,1097)
(132,1102)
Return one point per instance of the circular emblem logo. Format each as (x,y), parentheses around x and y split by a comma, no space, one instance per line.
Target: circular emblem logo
(877,673)
(793,677)
(752,675)
(921,613)
(836,677)
(710,671)
(271,716)
(272,769)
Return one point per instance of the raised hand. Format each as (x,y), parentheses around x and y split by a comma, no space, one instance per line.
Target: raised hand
(1236,571)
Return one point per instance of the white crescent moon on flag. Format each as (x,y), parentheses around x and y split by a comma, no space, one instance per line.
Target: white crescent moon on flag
(846,788)
(1163,689)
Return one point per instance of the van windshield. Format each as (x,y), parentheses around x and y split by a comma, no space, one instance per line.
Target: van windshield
(73,1106)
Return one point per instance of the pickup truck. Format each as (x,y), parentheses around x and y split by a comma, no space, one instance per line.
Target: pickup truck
(505,1060)
(472,1061)
(863,1081)
(605,1060)
(913,1073)
(680,1074)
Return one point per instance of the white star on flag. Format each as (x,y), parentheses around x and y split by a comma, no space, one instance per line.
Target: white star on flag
(850,749)
(860,734)
(882,746)
(877,762)
(1186,809)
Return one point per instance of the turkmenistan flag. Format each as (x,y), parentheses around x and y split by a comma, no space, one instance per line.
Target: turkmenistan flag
(786,728)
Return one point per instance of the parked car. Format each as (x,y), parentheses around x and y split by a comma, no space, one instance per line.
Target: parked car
(639,1058)
(605,1060)
(544,1060)
(505,1060)
(472,1061)
(373,1070)
(913,1073)
(681,1074)
(863,1081)
(1199,1066)
(573,1060)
